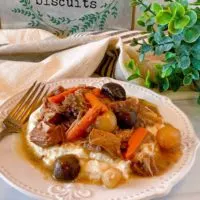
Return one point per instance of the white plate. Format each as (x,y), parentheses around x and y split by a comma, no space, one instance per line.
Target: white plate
(23,176)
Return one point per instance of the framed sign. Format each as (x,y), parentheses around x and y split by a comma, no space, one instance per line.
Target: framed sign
(66,16)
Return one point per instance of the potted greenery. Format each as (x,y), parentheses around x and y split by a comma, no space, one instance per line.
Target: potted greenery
(174,31)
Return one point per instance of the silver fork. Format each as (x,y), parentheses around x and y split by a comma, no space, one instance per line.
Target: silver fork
(20,113)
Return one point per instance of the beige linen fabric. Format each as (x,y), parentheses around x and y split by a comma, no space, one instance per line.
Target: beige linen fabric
(34,54)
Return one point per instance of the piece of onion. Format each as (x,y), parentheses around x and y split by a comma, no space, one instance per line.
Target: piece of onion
(168,137)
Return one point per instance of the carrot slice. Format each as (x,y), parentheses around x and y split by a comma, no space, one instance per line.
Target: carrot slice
(96,92)
(61,97)
(95,102)
(80,128)
(135,141)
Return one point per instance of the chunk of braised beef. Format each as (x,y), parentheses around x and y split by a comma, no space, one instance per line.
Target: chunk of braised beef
(106,140)
(75,103)
(57,91)
(57,119)
(124,147)
(124,135)
(148,117)
(45,135)
(72,105)
(67,124)
(129,105)
(65,112)
(144,161)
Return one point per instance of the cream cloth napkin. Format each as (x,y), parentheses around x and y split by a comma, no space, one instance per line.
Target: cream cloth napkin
(27,55)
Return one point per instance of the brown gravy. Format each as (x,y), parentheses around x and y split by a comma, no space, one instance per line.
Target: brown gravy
(165,160)
(27,153)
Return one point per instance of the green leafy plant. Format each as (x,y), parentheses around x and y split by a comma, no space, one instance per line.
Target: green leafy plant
(137,74)
(174,31)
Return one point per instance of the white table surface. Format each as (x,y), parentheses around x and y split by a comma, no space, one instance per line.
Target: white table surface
(188,188)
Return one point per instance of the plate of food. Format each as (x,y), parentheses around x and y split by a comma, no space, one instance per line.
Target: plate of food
(98,138)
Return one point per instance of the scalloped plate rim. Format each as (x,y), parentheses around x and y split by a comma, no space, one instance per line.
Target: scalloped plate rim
(163,192)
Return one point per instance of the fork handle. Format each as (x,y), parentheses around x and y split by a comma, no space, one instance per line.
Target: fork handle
(4,133)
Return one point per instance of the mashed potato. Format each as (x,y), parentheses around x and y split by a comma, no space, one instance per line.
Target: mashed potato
(92,164)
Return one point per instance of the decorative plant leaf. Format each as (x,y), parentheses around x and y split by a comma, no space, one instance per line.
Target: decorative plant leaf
(172,28)
(183,50)
(162,28)
(150,28)
(191,34)
(187,71)
(177,39)
(145,47)
(147,82)
(193,18)
(156,8)
(195,74)
(175,32)
(187,79)
(184,62)
(175,82)
(166,84)
(169,56)
(181,22)
(142,20)
(166,39)
(195,63)
(196,49)
(166,70)
(132,77)
(150,21)
(173,8)
(163,17)
(158,38)
(180,10)
(131,64)
(161,48)
(137,72)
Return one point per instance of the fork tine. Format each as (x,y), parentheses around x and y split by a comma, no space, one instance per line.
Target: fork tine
(31,103)
(15,109)
(35,103)
(27,101)
(40,100)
